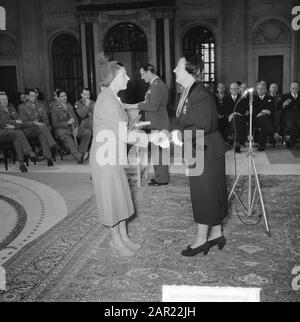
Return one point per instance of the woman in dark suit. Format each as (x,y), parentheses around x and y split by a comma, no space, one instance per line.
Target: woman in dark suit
(197,111)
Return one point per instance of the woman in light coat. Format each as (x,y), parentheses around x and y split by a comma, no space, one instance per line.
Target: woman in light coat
(109,146)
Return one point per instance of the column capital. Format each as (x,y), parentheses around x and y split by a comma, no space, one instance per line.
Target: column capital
(162,12)
(87,16)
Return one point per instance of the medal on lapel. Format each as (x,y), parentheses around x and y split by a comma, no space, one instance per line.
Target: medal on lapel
(185,106)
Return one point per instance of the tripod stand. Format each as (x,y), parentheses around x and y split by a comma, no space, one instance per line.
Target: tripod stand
(250,160)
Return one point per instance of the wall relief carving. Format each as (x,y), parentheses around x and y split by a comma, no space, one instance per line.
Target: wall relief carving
(57,9)
(124,16)
(272,31)
(199,4)
(207,21)
(8,46)
(53,32)
(118,1)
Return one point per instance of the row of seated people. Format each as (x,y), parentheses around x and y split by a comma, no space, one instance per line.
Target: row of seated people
(274,115)
(59,122)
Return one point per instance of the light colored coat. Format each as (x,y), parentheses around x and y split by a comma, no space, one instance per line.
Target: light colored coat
(110,182)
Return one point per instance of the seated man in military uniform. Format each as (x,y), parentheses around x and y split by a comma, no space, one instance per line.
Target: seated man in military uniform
(85,109)
(40,100)
(10,132)
(36,124)
(67,128)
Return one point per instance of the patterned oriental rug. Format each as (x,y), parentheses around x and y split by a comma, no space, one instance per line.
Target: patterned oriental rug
(73,262)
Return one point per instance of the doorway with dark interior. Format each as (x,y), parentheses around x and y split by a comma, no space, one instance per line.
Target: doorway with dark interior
(9,82)
(270,69)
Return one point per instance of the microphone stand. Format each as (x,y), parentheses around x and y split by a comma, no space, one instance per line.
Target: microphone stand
(252,172)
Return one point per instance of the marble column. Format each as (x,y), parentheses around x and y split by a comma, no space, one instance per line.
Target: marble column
(171,55)
(160,48)
(297,55)
(234,33)
(163,29)
(2,18)
(88,38)
(29,16)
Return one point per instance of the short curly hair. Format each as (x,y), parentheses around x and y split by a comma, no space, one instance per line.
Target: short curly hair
(194,65)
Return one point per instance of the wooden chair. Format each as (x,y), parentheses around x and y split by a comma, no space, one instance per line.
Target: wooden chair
(8,151)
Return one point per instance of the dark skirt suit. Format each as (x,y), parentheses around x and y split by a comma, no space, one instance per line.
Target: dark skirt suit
(208,191)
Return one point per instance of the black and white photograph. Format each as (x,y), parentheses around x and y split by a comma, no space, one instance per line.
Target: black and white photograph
(149,153)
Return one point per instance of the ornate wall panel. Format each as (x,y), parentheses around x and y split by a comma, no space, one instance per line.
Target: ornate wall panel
(272,31)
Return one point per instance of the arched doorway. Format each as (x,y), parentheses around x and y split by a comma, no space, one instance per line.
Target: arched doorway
(9,61)
(127,43)
(66,64)
(201,41)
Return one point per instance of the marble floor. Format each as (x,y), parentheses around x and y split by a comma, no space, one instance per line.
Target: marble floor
(33,203)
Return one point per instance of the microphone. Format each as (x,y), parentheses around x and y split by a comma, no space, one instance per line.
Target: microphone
(249,90)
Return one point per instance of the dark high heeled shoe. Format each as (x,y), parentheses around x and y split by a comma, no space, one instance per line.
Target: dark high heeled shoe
(190,252)
(34,159)
(81,160)
(221,241)
(50,163)
(23,168)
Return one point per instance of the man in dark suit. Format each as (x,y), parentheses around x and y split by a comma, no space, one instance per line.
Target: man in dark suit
(277,117)
(155,108)
(10,131)
(236,115)
(263,111)
(223,120)
(291,110)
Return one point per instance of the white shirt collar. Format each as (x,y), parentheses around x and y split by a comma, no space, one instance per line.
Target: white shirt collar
(188,87)
(183,97)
